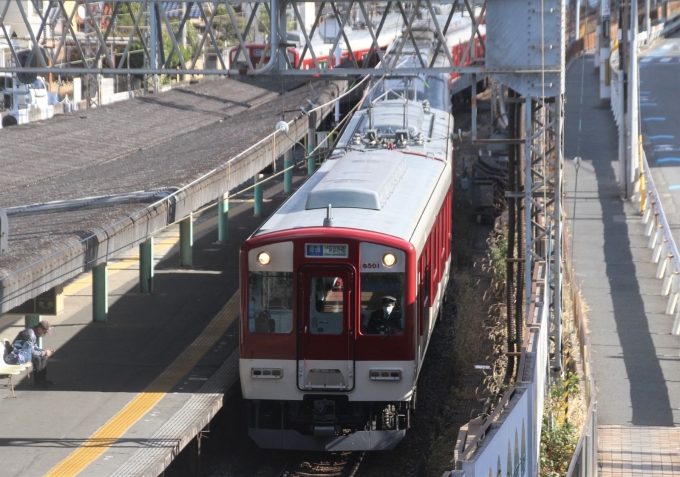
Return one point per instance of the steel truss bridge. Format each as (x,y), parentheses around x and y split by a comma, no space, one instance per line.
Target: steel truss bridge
(524,49)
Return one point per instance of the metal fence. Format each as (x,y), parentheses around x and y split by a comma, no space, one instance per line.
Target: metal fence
(661,241)
(507,442)
(584,461)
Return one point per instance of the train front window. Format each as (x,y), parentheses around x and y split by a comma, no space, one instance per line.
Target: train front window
(270,309)
(382,303)
(327,304)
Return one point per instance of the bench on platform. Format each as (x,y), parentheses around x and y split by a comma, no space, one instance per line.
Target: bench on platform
(8,371)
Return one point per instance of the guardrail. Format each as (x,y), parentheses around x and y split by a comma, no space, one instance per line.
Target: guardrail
(508,441)
(661,241)
(584,461)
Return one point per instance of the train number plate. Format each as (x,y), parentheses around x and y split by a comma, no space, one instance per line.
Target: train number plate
(317,250)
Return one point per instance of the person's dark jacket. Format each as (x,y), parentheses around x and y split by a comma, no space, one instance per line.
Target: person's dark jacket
(378,325)
(30,336)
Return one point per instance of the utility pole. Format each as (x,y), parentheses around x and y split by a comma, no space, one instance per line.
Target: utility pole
(577,27)
(624,32)
(634,156)
(280,38)
(604,49)
(184,29)
(648,21)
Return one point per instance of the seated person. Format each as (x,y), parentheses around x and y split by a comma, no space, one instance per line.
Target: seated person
(386,320)
(25,348)
(264,322)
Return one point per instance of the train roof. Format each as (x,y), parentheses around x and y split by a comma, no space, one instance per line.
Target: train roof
(372,187)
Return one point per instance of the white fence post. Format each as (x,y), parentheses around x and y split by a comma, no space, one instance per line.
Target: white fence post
(649,208)
(653,231)
(663,259)
(676,324)
(658,246)
(673,298)
(668,276)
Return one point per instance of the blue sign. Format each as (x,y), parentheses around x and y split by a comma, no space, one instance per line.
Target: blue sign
(314,250)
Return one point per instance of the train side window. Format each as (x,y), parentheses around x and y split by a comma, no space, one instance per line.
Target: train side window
(270,307)
(327,297)
(375,287)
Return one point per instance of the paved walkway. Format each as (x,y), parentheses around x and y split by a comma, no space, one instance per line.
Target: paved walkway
(635,356)
(639,450)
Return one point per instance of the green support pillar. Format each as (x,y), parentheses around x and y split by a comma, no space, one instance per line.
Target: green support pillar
(311,142)
(100,293)
(288,174)
(257,209)
(186,241)
(146,266)
(223,218)
(30,321)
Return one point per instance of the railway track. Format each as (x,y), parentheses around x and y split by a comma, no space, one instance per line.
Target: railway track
(318,464)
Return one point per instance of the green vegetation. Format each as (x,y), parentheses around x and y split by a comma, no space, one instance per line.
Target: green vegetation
(558,436)
(187,53)
(124,26)
(226,34)
(467,331)
(495,325)
(498,250)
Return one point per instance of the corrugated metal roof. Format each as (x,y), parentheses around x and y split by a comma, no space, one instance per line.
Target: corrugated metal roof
(152,142)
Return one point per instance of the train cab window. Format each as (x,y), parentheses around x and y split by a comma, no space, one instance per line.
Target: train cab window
(327,297)
(270,308)
(382,303)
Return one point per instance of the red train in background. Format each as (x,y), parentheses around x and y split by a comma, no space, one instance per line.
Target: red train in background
(457,37)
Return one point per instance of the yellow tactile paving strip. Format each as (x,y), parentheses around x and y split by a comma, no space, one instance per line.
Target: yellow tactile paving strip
(640,451)
(147,399)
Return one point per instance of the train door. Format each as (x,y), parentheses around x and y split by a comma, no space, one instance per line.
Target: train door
(325,348)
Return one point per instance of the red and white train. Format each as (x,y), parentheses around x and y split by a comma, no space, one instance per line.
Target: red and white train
(458,34)
(373,222)
(360,41)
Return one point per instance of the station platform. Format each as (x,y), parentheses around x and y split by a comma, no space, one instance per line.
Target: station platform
(130,393)
(634,353)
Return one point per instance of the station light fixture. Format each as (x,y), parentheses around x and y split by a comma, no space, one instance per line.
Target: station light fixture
(264,258)
(389,259)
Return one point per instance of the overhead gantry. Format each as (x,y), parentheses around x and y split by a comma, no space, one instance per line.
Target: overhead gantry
(523,47)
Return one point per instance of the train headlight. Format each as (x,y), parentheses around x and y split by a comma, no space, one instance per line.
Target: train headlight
(389,259)
(264,258)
